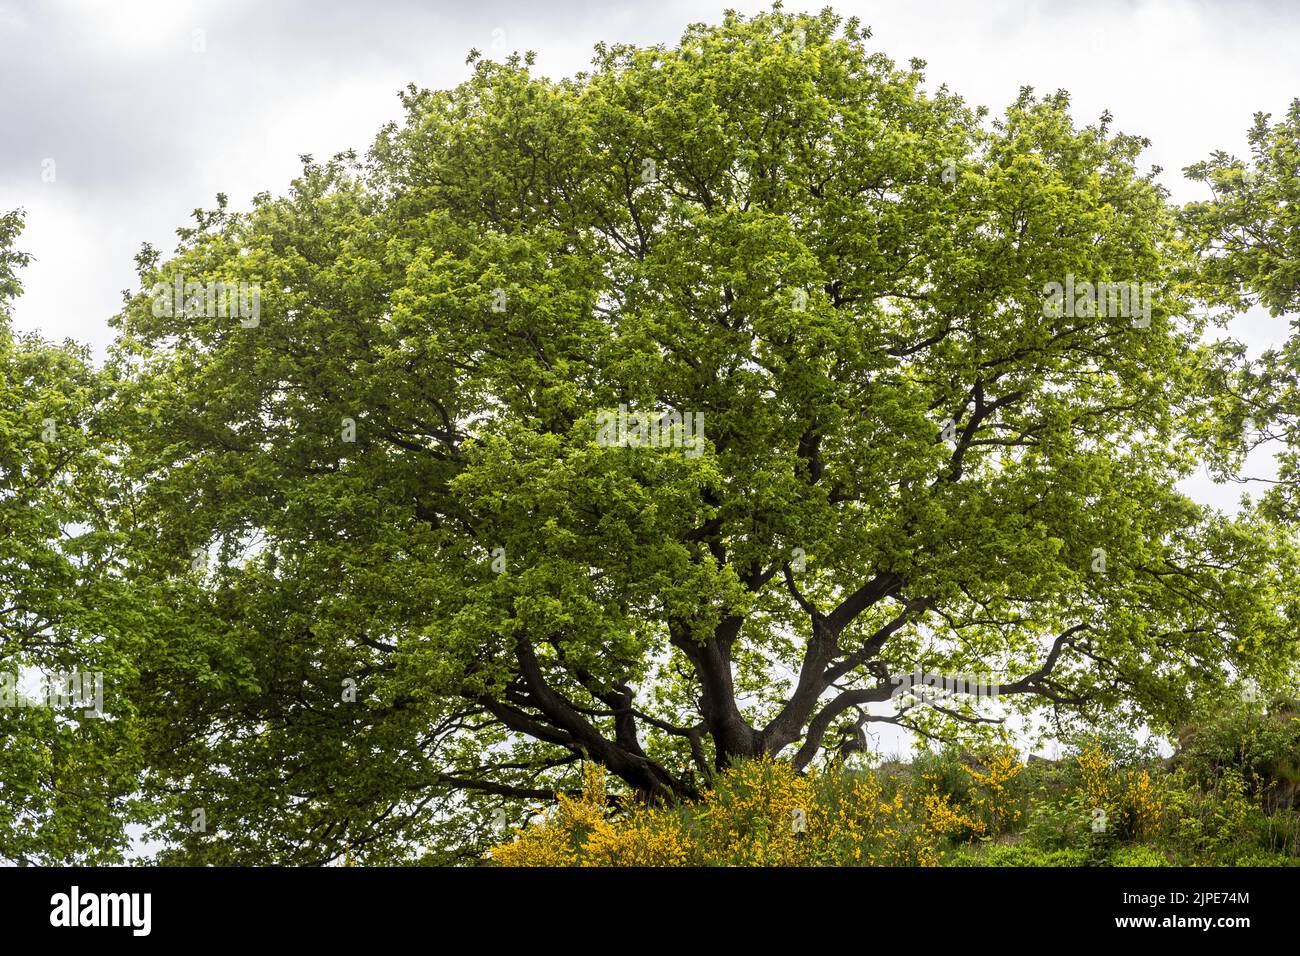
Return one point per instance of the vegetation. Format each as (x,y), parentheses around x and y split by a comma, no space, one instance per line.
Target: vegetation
(365,569)
(954,807)
(66,780)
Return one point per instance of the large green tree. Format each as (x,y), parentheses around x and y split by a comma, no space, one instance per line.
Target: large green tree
(1246,236)
(66,770)
(396,574)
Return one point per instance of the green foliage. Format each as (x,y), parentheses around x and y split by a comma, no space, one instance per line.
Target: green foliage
(1116,733)
(1248,231)
(943,771)
(1139,856)
(1018,855)
(767,225)
(66,778)
(1246,237)
(1216,825)
(1262,746)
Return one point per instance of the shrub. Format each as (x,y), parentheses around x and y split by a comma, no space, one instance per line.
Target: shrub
(755,815)
(942,772)
(1216,824)
(758,813)
(993,795)
(1262,748)
(1125,802)
(952,808)
(1139,856)
(1019,855)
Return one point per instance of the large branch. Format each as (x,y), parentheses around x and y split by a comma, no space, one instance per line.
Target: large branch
(822,722)
(874,591)
(711,662)
(818,671)
(1033,683)
(635,768)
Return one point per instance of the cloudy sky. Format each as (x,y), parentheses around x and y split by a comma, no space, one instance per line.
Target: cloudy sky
(141,110)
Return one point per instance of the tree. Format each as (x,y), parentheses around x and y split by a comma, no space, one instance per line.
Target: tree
(1247,237)
(414,555)
(1248,230)
(66,775)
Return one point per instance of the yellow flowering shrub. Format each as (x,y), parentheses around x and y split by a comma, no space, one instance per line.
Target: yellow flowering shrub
(992,800)
(649,837)
(755,815)
(855,823)
(1094,767)
(758,813)
(559,840)
(764,813)
(1141,803)
(1131,803)
(950,820)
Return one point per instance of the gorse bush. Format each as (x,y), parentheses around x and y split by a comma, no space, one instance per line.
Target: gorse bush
(993,793)
(979,807)
(758,813)
(1123,801)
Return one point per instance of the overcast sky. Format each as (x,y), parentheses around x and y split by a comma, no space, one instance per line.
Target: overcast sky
(149,108)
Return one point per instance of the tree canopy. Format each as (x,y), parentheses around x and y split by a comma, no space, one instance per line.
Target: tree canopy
(387,572)
(66,772)
(1247,237)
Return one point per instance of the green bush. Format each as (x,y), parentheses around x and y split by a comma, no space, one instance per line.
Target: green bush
(1056,820)
(1263,748)
(989,854)
(1215,824)
(1139,856)
(942,770)
(1267,859)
